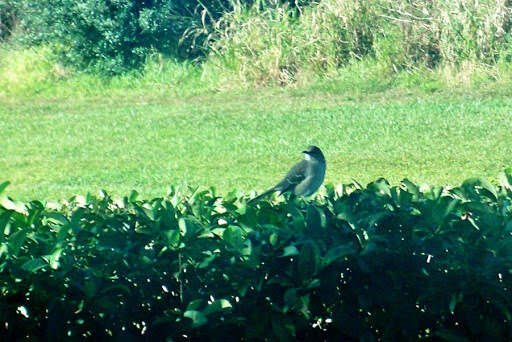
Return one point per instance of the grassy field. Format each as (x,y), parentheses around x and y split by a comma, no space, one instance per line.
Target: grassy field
(247,140)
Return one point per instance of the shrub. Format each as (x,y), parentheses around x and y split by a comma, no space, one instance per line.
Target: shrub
(382,262)
(113,36)
(8,18)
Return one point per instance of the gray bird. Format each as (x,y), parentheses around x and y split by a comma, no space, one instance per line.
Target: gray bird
(304,178)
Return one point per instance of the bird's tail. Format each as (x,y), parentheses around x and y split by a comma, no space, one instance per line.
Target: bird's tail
(269,191)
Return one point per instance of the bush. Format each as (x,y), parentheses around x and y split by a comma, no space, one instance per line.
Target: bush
(113,36)
(382,262)
(8,18)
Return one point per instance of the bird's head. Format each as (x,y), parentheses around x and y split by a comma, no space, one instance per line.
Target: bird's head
(313,152)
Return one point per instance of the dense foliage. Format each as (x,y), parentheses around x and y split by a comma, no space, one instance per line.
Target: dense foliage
(381,262)
(112,36)
(8,18)
(267,40)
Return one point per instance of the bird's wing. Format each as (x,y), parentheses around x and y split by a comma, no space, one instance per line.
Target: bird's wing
(296,175)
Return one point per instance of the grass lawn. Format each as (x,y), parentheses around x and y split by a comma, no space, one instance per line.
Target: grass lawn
(53,149)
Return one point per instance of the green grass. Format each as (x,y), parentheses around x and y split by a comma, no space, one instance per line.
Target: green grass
(53,148)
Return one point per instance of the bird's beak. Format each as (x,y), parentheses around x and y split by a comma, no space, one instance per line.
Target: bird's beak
(304,151)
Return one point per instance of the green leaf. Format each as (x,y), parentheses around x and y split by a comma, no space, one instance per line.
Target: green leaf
(3,249)
(454,299)
(315,219)
(308,261)
(53,259)
(218,231)
(314,283)
(57,218)
(206,235)
(473,222)
(33,265)
(173,237)
(451,335)
(504,178)
(9,204)
(273,239)
(283,328)
(453,302)
(207,260)
(247,249)
(472,183)
(195,304)
(197,317)
(337,253)
(182,224)
(4,224)
(217,305)
(485,184)
(443,208)
(412,188)
(133,196)
(188,226)
(380,187)
(290,251)
(16,240)
(299,223)
(290,298)
(233,236)
(3,186)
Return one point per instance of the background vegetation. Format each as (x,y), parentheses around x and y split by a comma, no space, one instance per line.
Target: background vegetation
(264,41)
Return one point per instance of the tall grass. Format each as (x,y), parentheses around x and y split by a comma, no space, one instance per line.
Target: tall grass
(274,45)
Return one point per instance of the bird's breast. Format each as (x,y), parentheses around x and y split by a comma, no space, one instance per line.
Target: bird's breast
(314,178)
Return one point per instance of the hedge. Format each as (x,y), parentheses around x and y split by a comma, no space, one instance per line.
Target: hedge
(381,262)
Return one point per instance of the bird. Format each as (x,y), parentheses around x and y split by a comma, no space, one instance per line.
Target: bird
(304,178)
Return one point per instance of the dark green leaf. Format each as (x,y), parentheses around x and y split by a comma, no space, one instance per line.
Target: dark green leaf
(3,186)
(290,298)
(308,260)
(33,265)
(173,237)
(290,251)
(451,335)
(217,305)
(133,196)
(273,239)
(16,240)
(337,253)
(412,188)
(197,317)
